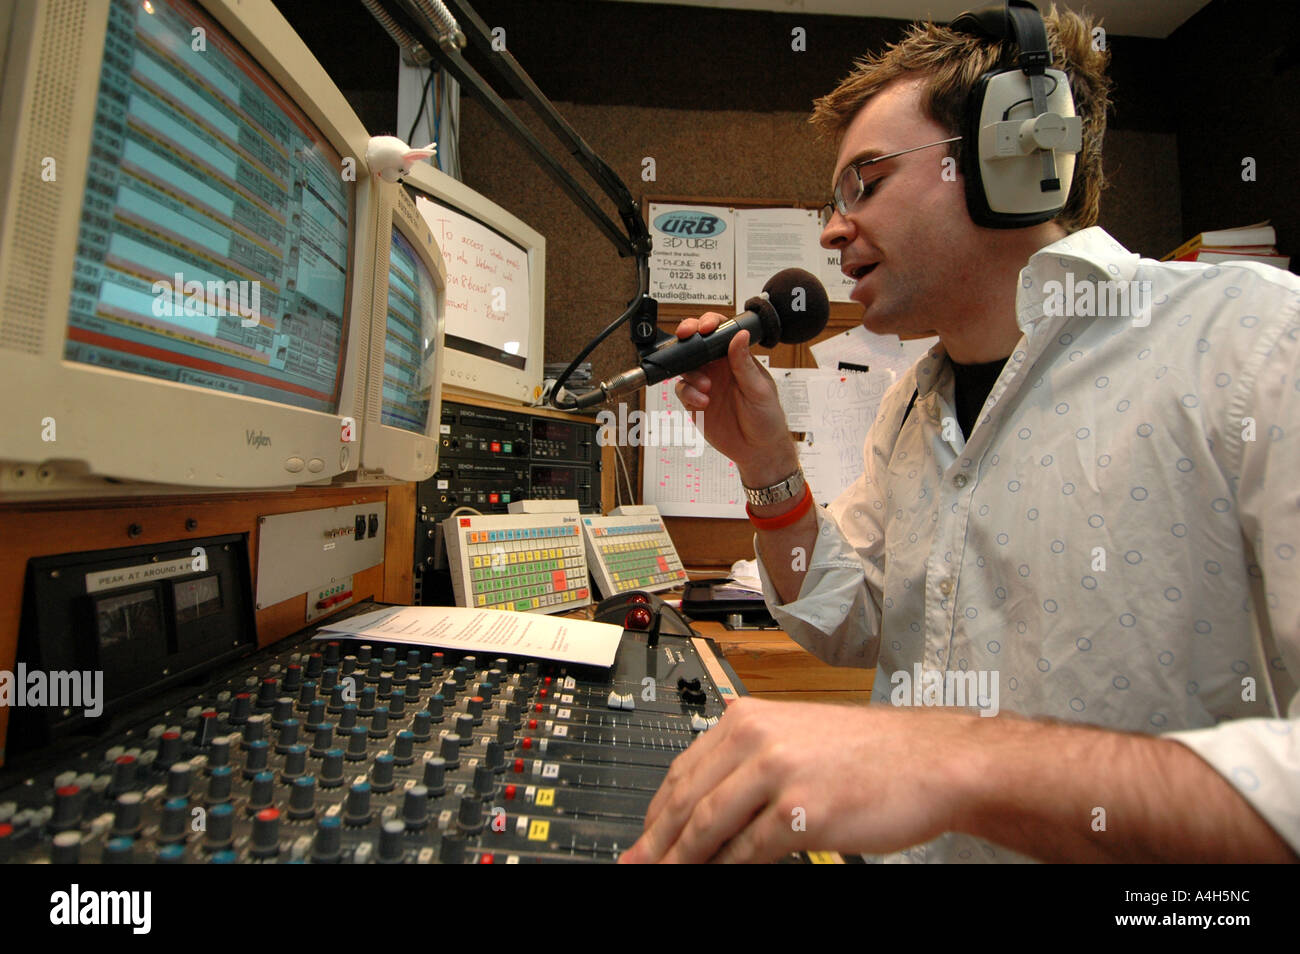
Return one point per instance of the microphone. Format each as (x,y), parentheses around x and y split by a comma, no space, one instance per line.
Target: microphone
(792,308)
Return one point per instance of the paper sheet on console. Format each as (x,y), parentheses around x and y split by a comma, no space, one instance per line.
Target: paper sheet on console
(877,352)
(486,631)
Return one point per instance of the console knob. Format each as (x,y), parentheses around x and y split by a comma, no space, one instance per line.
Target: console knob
(326,846)
(288,735)
(66,849)
(123,774)
(302,798)
(435,775)
(266,833)
(348,716)
(267,693)
(434,706)
(67,807)
(281,711)
(381,773)
(331,769)
(178,780)
(254,729)
(415,807)
(449,749)
(356,810)
(219,753)
(263,792)
(295,764)
(257,758)
(379,723)
(421,725)
(496,756)
(323,739)
(404,748)
(169,749)
(465,728)
(391,850)
(470,817)
(219,785)
(126,818)
(316,713)
(356,743)
(220,831)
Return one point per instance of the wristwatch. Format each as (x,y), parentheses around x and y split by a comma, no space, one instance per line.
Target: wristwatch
(790,488)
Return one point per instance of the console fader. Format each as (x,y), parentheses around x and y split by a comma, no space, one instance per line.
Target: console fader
(338,752)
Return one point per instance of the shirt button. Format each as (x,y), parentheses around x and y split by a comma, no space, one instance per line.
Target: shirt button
(945,587)
(959,480)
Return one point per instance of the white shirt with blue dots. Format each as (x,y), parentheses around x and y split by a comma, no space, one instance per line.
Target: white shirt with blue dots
(1117,539)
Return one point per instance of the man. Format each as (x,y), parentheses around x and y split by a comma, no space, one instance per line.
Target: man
(1109,543)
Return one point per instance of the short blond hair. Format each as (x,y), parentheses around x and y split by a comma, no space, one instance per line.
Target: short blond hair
(952,63)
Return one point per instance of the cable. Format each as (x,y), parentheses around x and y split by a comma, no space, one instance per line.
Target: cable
(643,286)
(631,496)
(1030,99)
(424,95)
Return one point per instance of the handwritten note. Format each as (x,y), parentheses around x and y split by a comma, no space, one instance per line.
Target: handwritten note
(836,410)
(488,297)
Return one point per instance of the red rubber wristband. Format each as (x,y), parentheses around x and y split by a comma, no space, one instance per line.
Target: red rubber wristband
(786,519)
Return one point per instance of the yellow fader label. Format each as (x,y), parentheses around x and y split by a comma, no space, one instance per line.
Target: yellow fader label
(545,796)
(538,829)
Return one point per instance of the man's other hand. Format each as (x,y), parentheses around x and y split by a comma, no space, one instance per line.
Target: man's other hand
(775,777)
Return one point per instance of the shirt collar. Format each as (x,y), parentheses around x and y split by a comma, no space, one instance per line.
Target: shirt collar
(1088,255)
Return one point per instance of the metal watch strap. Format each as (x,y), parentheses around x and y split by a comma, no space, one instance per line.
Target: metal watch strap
(787,489)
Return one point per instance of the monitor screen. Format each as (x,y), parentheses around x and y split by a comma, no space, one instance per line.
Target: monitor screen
(489,307)
(213,247)
(411,344)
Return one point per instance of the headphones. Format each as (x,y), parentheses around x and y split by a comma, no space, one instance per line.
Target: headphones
(1018,168)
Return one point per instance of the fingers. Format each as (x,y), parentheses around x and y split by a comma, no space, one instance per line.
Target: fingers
(721,815)
(704,324)
(694,773)
(766,838)
(693,391)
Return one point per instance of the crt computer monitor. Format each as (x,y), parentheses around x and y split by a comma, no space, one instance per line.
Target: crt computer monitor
(186,247)
(496,289)
(399,437)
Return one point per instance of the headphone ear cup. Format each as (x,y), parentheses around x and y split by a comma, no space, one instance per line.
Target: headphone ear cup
(977,202)
(1006,192)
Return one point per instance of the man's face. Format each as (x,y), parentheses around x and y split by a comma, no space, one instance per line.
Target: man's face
(908,241)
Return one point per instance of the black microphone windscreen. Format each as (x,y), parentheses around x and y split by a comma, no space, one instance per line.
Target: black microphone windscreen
(801,303)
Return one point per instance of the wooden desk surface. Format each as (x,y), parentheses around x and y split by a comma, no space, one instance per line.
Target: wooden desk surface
(773,666)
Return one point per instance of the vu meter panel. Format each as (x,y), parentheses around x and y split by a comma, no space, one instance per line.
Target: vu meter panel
(410,347)
(213,246)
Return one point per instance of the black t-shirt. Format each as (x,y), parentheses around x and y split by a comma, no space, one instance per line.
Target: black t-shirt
(972,384)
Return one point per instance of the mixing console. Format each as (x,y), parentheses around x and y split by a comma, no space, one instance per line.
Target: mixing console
(335,752)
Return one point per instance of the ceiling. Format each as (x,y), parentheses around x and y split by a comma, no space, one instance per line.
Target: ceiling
(1147,18)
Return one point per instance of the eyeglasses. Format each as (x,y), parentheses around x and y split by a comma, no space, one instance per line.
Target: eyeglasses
(850,188)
